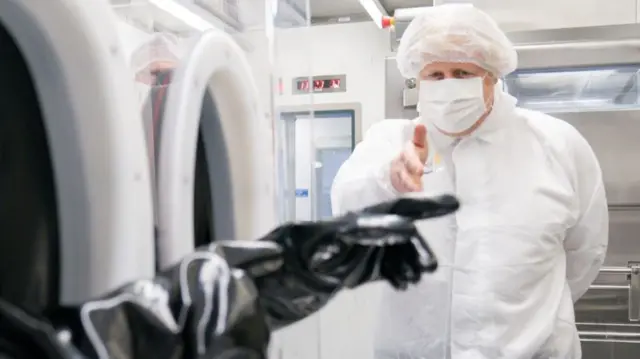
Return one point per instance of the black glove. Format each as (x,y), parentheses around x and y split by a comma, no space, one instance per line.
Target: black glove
(321,258)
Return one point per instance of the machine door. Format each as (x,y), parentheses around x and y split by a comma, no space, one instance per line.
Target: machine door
(75,196)
(603,104)
(214,162)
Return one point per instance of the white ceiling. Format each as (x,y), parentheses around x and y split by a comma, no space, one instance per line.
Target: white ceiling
(338,8)
(512,15)
(335,8)
(391,5)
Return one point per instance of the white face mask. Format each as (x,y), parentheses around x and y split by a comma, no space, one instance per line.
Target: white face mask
(452,105)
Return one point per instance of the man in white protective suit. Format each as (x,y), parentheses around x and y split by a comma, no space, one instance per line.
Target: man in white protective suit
(532,231)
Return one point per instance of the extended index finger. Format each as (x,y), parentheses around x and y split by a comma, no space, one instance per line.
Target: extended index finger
(420,142)
(420,136)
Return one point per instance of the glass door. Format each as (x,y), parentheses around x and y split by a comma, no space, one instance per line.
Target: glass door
(313,148)
(328,162)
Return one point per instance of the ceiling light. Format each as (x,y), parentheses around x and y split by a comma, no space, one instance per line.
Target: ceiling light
(183,14)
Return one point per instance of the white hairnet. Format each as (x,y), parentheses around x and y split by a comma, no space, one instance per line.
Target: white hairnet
(455,33)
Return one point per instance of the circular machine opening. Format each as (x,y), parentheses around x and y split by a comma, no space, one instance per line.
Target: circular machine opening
(29,245)
(213,202)
(212,219)
(203,226)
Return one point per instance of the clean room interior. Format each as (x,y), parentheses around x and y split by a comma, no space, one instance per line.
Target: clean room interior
(344,327)
(264,122)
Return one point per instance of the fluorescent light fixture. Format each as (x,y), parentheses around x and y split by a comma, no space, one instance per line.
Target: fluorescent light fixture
(407,14)
(445,2)
(182,13)
(375,10)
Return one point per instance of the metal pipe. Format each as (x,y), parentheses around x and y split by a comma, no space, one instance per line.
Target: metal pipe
(606,334)
(609,287)
(590,340)
(594,324)
(615,270)
(587,45)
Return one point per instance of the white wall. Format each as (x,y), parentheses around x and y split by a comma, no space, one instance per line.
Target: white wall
(357,50)
(550,14)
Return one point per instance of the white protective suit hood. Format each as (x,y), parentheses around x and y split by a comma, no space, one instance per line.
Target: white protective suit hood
(528,240)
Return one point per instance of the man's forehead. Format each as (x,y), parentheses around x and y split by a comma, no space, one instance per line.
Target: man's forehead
(450,66)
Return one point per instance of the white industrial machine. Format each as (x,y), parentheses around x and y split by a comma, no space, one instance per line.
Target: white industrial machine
(213,97)
(209,139)
(75,194)
(77,187)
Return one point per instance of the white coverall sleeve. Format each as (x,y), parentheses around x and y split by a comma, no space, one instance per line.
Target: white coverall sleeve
(363,179)
(586,242)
